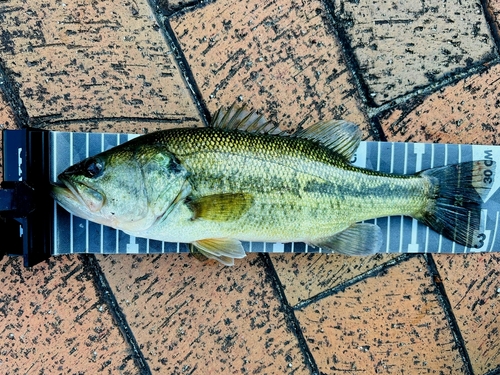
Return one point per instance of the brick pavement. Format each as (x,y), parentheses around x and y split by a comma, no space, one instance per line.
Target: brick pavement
(405,71)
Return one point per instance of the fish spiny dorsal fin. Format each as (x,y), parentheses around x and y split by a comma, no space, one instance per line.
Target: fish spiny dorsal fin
(340,136)
(239,118)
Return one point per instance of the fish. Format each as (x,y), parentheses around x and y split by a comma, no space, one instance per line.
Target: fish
(243,179)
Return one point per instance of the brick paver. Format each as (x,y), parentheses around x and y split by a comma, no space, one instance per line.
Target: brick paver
(473,288)
(411,44)
(382,325)
(7,121)
(88,60)
(54,321)
(306,276)
(191,317)
(466,112)
(276,56)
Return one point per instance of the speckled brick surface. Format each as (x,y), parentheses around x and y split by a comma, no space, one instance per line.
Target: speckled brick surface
(86,60)
(191,317)
(53,321)
(405,71)
(305,276)
(410,44)
(465,112)
(277,56)
(493,7)
(7,121)
(472,284)
(381,324)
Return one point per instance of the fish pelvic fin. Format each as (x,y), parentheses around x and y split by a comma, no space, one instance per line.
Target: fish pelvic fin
(457,193)
(359,239)
(224,250)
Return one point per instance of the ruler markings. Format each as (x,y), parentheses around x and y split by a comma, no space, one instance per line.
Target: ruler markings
(494,232)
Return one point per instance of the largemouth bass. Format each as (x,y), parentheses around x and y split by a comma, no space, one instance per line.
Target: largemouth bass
(241,179)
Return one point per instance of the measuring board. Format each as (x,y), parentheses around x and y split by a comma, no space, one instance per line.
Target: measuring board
(400,234)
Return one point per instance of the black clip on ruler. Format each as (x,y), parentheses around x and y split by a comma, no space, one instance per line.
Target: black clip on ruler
(26,209)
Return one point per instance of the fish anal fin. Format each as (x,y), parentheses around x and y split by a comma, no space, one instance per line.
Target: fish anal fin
(342,137)
(224,250)
(359,239)
(220,207)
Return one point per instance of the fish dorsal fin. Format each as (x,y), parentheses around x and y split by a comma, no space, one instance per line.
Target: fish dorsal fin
(224,250)
(340,136)
(220,207)
(239,118)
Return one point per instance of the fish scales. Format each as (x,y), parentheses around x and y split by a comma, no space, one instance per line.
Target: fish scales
(297,186)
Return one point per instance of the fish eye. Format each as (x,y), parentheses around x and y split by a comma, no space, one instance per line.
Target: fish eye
(92,168)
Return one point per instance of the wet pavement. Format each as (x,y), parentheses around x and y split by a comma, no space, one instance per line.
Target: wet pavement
(405,71)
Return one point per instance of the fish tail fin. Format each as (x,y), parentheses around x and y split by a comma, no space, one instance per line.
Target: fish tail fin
(457,193)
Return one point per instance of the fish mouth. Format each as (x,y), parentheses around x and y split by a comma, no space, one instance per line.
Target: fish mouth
(75,196)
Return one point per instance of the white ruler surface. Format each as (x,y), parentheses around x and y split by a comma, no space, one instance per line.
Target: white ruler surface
(401,234)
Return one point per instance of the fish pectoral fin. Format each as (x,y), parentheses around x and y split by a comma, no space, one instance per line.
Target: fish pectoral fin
(220,207)
(359,239)
(342,137)
(224,250)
